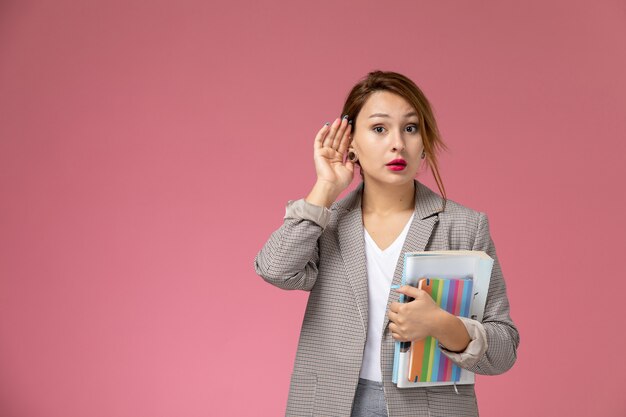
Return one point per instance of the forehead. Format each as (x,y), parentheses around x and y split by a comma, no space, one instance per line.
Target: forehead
(385,102)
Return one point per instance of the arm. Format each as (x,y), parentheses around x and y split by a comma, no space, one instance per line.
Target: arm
(492,349)
(451,332)
(290,258)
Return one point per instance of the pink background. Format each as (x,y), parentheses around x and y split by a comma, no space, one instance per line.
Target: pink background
(148,150)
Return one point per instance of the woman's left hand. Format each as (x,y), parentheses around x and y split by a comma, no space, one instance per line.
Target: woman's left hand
(416,319)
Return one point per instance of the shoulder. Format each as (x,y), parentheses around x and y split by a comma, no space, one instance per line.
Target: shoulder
(459,213)
(461,225)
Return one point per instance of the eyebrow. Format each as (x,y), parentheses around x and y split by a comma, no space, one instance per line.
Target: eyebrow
(386,115)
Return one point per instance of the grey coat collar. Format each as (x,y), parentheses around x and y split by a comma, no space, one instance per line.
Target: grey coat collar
(352,241)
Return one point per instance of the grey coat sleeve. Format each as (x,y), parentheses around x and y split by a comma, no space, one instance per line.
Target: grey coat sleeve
(290,257)
(500,331)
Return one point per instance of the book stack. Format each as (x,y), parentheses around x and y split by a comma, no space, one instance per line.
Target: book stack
(458,282)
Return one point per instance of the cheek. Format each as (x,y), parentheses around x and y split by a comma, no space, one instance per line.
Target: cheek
(357,144)
(370,144)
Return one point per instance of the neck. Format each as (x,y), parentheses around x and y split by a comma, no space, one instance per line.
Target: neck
(384,199)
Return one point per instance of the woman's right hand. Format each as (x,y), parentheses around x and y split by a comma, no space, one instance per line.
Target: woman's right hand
(331,143)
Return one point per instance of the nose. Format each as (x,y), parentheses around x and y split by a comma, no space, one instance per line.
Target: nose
(397,141)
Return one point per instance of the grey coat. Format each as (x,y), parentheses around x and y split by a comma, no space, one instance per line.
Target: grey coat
(322,250)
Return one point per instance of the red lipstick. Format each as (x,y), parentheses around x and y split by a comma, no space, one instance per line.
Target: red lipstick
(397,165)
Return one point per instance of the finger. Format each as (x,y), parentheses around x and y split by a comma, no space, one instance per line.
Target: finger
(321,134)
(398,337)
(345,141)
(328,140)
(392,316)
(409,291)
(340,131)
(395,307)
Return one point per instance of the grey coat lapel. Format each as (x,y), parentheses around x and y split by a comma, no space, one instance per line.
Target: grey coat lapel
(352,242)
(352,247)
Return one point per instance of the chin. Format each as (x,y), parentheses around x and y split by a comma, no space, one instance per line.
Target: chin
(394,178)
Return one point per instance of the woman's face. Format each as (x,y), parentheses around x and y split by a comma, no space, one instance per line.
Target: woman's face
(387,128)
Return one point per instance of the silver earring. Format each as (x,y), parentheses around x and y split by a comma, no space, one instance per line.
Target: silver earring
(352,156)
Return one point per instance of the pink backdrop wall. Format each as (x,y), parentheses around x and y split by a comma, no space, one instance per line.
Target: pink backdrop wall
(148,149)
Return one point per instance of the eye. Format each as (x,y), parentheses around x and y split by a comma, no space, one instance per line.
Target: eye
(415,128)
(378,127)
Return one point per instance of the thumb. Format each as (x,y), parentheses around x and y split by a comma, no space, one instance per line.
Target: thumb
(350,166)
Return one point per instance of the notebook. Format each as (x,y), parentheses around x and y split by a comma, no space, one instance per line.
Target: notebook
(426,362)
(460,265)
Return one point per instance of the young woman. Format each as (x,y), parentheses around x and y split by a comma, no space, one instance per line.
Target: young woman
(348,254)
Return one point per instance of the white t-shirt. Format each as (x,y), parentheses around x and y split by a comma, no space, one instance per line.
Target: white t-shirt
(381,266)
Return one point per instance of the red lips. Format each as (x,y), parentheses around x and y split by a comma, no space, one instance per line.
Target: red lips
(397,162)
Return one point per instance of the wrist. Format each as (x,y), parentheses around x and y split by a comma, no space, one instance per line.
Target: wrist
(439,321)
(323,194)
(450,332)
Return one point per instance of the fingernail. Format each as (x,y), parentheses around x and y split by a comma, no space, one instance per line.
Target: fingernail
(345,116)
(395,287)
(349,122)
(327,123)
